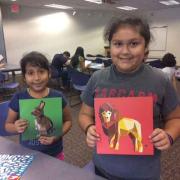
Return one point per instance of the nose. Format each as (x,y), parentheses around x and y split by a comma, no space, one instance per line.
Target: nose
(36,76)
(125,49)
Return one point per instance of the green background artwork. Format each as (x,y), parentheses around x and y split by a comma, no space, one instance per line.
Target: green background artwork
(52,109)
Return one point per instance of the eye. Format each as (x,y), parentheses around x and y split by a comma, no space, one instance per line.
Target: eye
(117,44)
(30,73)
(42,71)
(109,113)
(134,43)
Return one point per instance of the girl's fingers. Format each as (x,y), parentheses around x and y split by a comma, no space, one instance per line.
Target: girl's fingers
(160,139)
(155,133)
(92,137)
(158,135)
(160,143)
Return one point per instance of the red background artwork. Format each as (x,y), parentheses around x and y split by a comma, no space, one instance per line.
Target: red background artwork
(137,108)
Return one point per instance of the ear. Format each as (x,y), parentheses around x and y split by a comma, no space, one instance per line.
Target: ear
(146,52)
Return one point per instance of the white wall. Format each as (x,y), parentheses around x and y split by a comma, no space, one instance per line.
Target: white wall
(51,32)
(2,45)
(170,18)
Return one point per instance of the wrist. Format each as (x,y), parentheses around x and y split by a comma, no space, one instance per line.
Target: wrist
(171,140)
(86,129)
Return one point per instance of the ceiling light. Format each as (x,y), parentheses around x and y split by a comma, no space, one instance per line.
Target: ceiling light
(169,3)
(95,1)
(58,6)
(127,8)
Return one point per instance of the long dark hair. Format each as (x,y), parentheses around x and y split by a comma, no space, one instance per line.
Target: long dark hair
(75,58)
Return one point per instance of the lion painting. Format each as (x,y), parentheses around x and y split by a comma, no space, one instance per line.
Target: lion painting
(115,125)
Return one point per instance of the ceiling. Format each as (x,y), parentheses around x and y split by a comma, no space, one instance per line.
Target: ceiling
(142,5)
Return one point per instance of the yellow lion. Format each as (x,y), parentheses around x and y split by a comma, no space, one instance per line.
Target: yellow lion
(115,126)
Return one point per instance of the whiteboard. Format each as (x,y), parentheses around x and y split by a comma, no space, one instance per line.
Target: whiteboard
(159,38)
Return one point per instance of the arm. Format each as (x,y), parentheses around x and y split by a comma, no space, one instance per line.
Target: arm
(174,82)
(82,64)
(13,125)
(67,120)
(172,125)
(2,65)
(86,118)
(160,138)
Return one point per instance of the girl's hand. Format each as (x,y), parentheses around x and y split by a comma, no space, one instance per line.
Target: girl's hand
(92,136)
(160,139)
(47,140)
(21,125)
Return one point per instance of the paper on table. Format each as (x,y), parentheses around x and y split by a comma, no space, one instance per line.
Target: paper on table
(12,166)
(87,63)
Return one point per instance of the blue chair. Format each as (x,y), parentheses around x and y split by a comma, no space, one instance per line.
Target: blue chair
(3,116)
(7,89)
(98,60)
(78,81)
(157,63)
(107,62)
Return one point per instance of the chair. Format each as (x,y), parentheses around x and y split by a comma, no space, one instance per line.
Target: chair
(98,60)
(157,63)
(99,55)
(107,62)
(3,116)
(78,81)
(7,89)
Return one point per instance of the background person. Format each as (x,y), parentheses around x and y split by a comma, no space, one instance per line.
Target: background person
(169,63)
(78,60)
(57,67)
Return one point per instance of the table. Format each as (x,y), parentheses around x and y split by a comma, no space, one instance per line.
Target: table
(44,167)
(11,68)
(94,58)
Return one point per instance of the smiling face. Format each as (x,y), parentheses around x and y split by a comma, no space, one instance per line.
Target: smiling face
(36,78)
(127,49)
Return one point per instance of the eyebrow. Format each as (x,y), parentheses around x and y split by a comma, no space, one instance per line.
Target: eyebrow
(134,39)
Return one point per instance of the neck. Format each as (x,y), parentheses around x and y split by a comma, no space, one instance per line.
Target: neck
(40,94)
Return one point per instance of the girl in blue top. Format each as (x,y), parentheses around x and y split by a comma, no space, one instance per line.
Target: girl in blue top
(35,70)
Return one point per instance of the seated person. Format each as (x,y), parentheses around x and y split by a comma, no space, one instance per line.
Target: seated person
(169,63)
(59,60)
(78,60)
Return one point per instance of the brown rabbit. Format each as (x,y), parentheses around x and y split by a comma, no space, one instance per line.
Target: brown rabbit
(43,124)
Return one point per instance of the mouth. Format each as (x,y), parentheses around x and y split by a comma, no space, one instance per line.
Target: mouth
(37,85)
(125,60)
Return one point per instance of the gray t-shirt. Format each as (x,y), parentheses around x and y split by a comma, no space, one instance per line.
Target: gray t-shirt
(146,81)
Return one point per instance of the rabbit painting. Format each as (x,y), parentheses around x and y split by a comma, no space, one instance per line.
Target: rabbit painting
(43,124)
